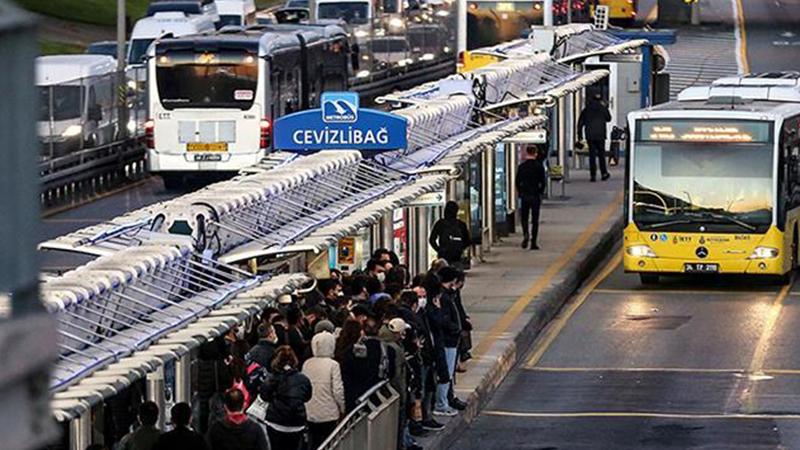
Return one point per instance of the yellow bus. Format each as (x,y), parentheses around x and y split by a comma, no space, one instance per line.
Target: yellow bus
(713,180)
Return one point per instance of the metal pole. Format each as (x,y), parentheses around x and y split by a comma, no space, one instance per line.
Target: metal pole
(548,13)
(122,84)
(695,13)
(461,26)
(569,11)
(155,393)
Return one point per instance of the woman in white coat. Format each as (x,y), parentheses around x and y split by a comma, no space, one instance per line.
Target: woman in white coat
(327,399)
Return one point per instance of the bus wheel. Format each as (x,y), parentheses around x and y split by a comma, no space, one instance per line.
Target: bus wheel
(648,278)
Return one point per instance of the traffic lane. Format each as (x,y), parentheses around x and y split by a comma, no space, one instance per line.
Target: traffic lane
(668,284)
(495,432)
(784,345)
(772,34)
(626,326)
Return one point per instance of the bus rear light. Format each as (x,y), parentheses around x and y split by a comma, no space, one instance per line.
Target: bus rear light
(149,137)
(266,129)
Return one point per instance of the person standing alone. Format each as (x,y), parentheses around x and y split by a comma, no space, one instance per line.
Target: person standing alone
(450,236)
(530,184)
(593,119)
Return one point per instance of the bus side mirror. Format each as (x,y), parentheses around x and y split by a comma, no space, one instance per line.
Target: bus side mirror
(95,113)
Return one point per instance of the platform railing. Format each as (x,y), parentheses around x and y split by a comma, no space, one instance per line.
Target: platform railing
(372,425)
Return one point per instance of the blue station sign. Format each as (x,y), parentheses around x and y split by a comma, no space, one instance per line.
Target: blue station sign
(340,125)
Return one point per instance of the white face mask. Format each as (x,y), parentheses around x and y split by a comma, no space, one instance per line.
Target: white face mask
(380,276)
(422,302)
(240,333)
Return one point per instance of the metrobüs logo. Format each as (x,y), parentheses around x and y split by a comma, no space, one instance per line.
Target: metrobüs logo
(339,107)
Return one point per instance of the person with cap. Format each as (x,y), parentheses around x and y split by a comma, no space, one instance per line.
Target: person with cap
(531,184)
(327,394)
(181,437)
(146,436)
(323,326)
(593,120)
(450,236)
(393,334)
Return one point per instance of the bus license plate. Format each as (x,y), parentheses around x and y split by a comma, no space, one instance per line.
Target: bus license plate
(207,147)
(207,157)
(700,268)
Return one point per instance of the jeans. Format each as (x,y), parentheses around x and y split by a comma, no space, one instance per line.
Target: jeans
(530,210)
(442,402)
(427,394)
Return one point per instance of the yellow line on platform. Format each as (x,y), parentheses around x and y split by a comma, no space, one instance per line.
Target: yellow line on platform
(505,321)
(680,291)
(632,369)
(558,324)
(638,414)
(741,35)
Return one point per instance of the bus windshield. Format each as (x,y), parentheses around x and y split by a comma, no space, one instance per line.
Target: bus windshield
(66,102)
(351,12)
(709,174)
(138,50)
(224,79)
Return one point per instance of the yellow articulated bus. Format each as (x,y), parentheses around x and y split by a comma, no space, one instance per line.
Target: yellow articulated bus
(713,180)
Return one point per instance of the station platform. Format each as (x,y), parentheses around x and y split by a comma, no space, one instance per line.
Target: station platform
(513,293)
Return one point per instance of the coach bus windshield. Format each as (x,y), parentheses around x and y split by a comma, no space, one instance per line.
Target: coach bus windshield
(224,79)
(693,174)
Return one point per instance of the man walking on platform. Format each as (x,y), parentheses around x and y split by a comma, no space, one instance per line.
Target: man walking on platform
(530,184)
(594,118)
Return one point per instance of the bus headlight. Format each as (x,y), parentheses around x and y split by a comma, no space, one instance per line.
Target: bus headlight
(72,131)
(640,251)
(764,253)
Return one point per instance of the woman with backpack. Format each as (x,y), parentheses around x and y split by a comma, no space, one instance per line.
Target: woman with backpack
(286,392)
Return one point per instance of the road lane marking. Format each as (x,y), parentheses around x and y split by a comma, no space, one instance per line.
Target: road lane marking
(522,302)
(741,36)
(632,369)
(682,291)
(638,414)
(558,324)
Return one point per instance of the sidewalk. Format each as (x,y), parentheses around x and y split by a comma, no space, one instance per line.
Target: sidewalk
(515,292)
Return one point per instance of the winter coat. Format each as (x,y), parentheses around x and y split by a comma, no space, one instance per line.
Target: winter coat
(594,119)
(143,438)
(530,179)
(327,398)
(181,438)
(246,435)
(261,353)
(434,316)
(286,392)
(451,320)
(398,381)
(365,365)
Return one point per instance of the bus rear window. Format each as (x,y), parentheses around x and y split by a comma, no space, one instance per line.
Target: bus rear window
(224,79)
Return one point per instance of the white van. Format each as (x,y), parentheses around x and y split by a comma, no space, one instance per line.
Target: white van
(236,12)
(76,102)
(175,23)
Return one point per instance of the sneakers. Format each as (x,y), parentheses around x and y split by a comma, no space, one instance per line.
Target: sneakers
(605,176)
(417,429)
(432,425)
(524,243)
(456,403)
(447,412)
(534,247)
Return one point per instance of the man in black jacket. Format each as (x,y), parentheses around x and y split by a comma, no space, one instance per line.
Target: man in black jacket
(262,352)
(449,322)
(369,362)
(594,118)
(237,431)
(181,437)
(530,184)
(450,236)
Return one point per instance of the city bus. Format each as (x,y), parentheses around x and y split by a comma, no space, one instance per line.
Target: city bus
(213,98)
(713,181)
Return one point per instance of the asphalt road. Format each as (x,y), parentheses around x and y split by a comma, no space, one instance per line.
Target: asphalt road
(690,363)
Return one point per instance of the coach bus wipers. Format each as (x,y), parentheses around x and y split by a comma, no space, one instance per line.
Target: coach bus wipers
(702,217)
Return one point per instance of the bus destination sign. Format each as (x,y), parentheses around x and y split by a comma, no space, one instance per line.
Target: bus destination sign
(711,131)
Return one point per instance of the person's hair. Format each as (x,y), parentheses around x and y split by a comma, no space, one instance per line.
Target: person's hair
(293,316)
(373,286)
(417,280)
(531,149)
(372,264)
(350,334)
(264,330)
(318,311)
(432,285)
(448,274)
(377,254)
(358,284)
(451,210)
(339,316)
(371,326)
(394,290)
(438,264)
(181,414)
(396,276)
(234,400)
(379,307)
(238,368)
(409,298)
(148,413)
(240,348)
(327,285)
(360,310)
(336,272)
(284,356)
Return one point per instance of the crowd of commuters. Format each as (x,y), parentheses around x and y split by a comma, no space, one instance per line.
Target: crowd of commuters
(285,381)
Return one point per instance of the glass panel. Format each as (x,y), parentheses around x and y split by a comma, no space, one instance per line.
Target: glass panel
(66,102)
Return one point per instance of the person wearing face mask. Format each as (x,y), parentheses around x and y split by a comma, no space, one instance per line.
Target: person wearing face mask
(377,269)
(264,350)
(451,334)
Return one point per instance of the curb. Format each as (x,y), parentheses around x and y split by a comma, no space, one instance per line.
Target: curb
(550,302)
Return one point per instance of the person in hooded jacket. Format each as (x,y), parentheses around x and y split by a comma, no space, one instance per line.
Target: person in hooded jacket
(593,119)
(327,398)
(450,236)
(367,363)
(286,393)
(236,431)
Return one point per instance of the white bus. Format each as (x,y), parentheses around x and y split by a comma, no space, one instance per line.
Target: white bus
(213,98)
(174,23)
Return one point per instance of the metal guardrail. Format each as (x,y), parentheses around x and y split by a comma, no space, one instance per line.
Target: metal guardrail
(372,425)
